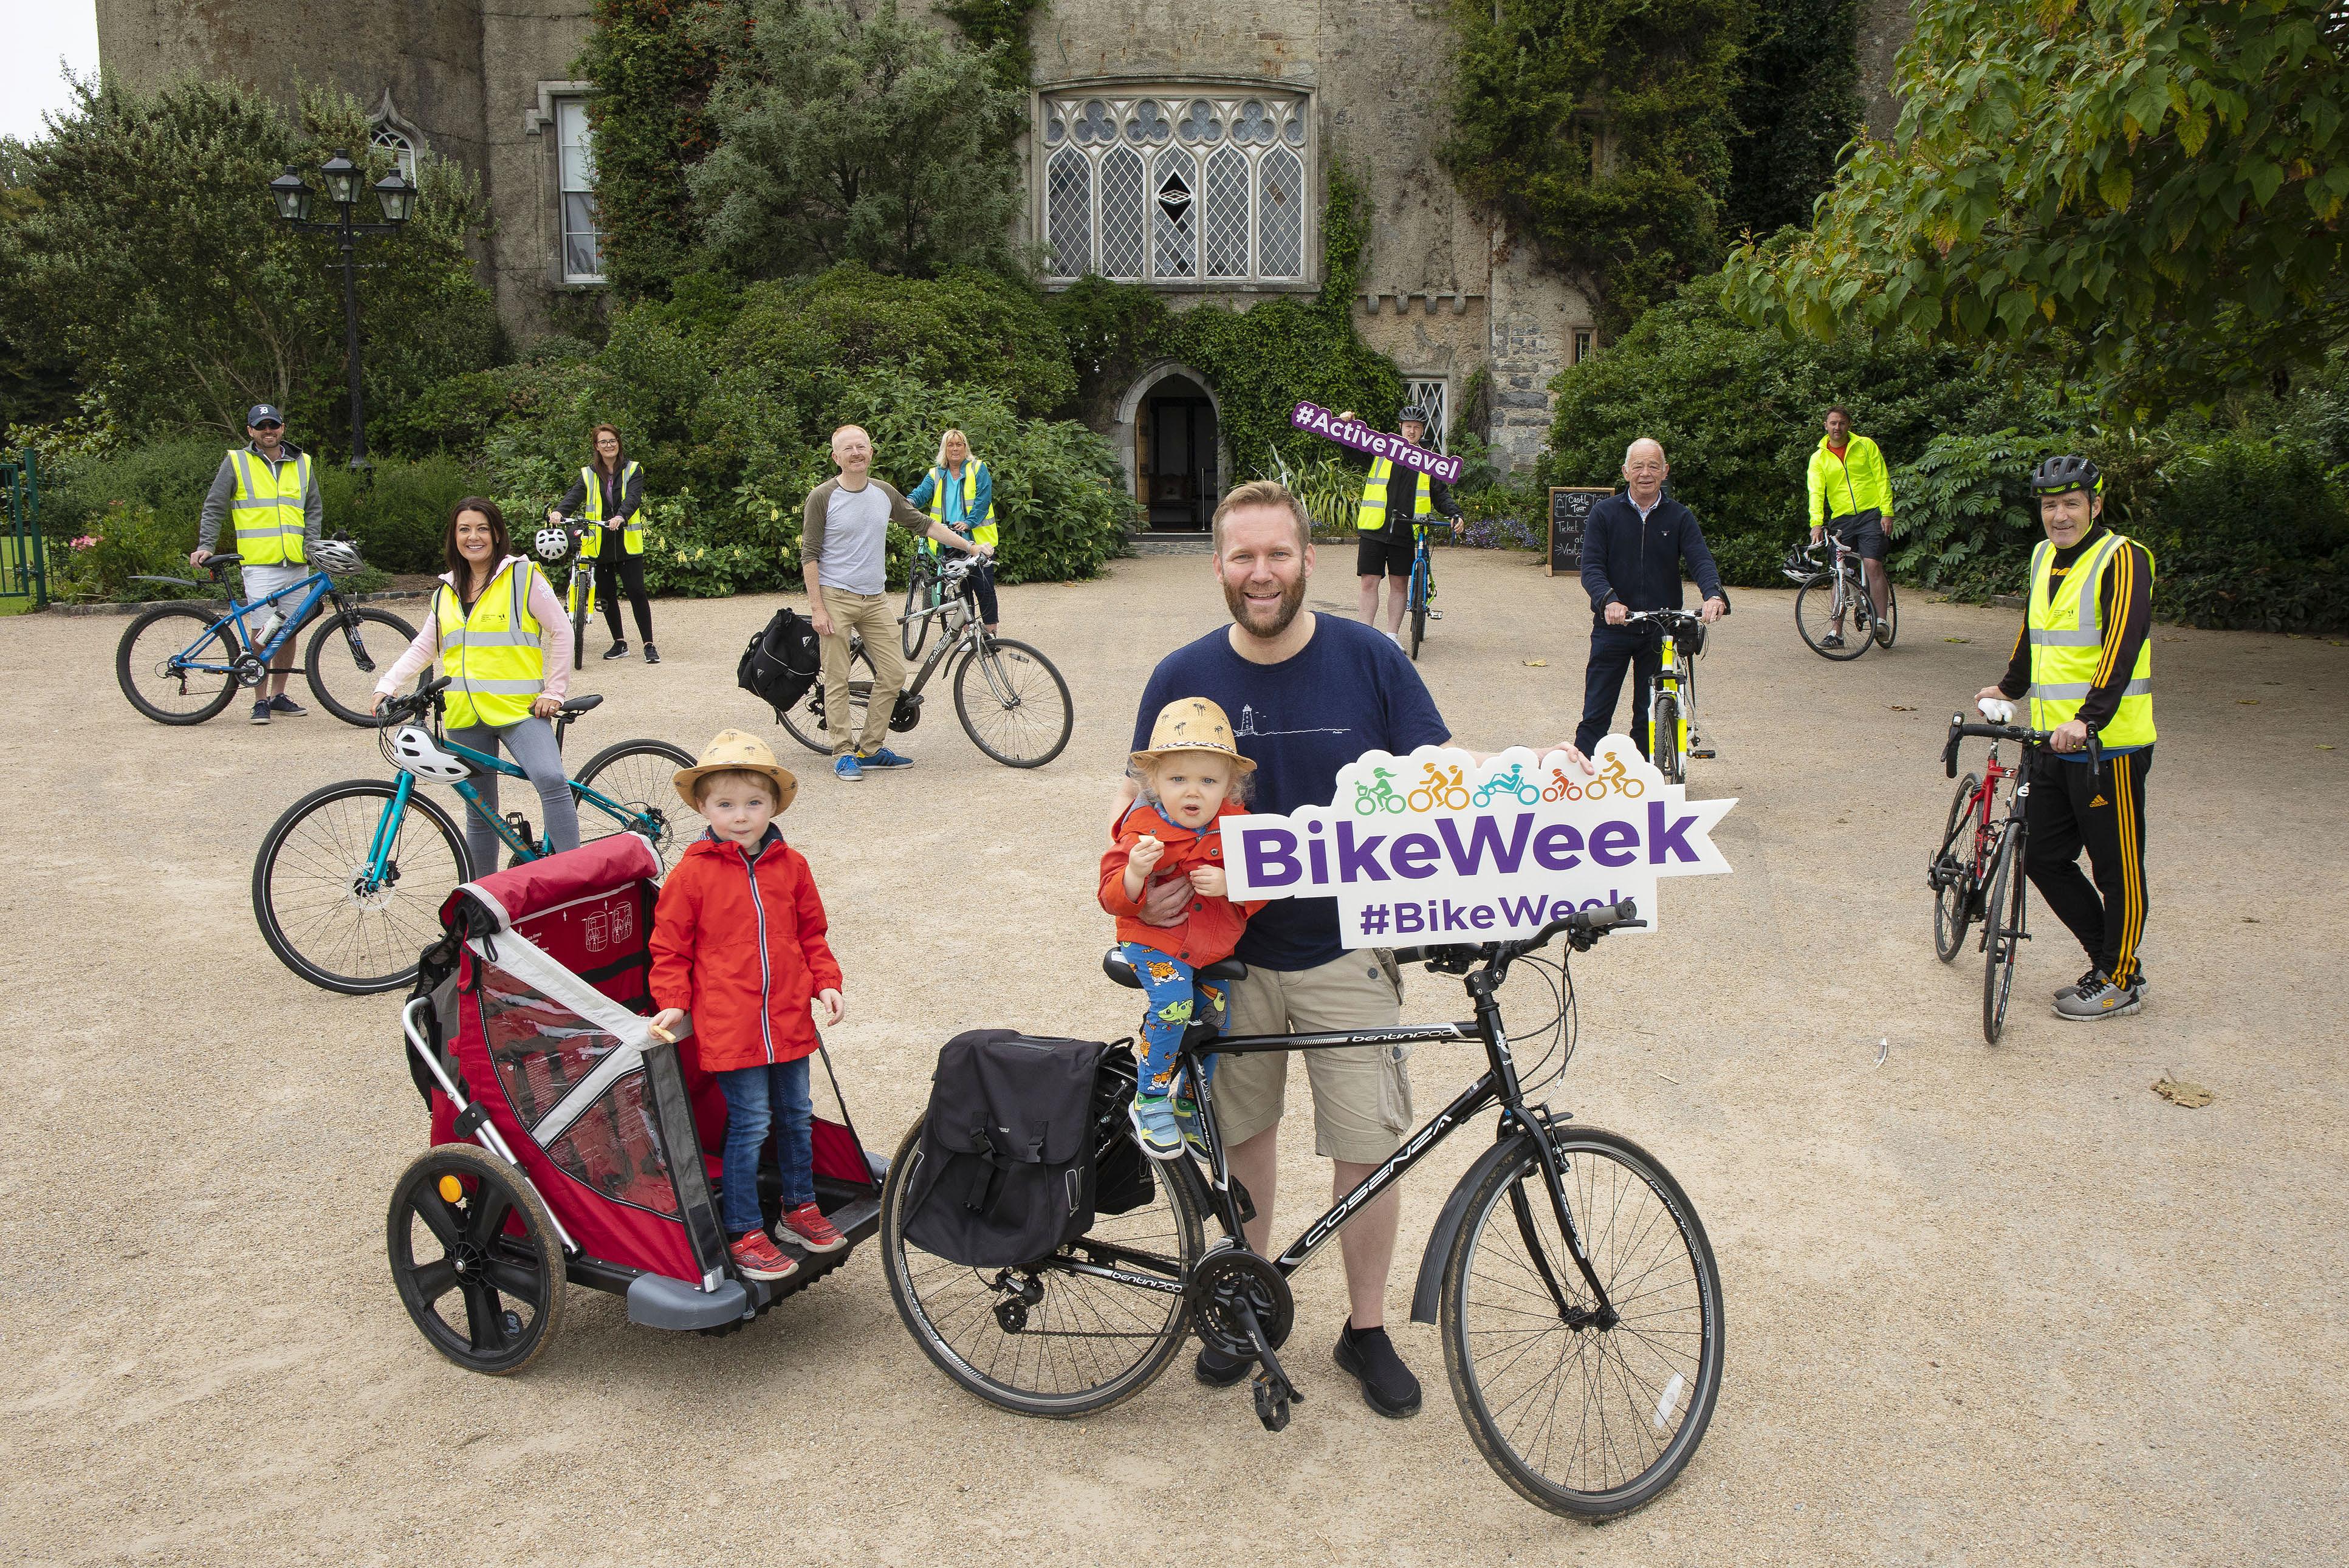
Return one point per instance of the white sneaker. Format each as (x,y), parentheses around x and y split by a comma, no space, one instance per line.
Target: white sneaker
(1396,638)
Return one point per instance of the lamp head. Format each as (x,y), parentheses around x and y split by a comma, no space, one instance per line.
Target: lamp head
(292,196)
(397,196)
(342,178)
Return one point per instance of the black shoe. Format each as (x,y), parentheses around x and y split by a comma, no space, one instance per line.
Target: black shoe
(652,654)
(616,651)
(1388,1386)
(1832,640)
(1218,1370)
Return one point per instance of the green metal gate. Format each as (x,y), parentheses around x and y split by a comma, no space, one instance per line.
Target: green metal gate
(23,554)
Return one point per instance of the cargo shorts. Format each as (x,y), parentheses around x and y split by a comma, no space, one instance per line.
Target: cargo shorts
(1361,1094)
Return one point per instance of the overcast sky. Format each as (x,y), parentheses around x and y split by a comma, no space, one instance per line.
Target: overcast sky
(39,34)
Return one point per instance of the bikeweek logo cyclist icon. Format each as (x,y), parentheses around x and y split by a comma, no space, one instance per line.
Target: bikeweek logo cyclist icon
(1438,847)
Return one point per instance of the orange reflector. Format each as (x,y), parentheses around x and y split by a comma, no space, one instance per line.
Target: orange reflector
(452,1190)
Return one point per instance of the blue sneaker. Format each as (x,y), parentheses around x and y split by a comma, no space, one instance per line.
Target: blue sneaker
(1155,1129)
(881,756)
(286,708)
(845,768)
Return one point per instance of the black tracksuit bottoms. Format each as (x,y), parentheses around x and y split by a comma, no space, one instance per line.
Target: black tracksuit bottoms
(2074,806)
(630,570)
(1612,650)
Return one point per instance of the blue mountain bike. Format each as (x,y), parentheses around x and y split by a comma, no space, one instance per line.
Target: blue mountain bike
(348,884)
(1423,592)
(182,664)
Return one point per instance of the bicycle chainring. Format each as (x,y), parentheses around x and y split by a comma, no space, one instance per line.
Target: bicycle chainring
(250,673)
(907,713)
(1225,1281)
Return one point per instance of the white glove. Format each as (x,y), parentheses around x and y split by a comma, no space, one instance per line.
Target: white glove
(1997,711)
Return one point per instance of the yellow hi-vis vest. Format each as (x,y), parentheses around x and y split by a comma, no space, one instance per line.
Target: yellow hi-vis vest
(491,656)
(267,508)
(1372,515)
(985,533)
(632,526)
(2067,643)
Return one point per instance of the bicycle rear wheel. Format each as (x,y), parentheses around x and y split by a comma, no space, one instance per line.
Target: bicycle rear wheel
(149,663)
(1664,740)
(804,718)
(2002,930)
(1956,876)
(1815,611)
(1044,1340)
(347,655)
(321,913)
(639,776)
(1583,1420)
(1013,704)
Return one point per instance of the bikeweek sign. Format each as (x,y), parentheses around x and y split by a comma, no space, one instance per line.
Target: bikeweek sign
(1315,420)
(1437,848)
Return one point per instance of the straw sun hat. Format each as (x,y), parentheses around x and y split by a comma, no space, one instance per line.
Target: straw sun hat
(1191,724)
(739,751)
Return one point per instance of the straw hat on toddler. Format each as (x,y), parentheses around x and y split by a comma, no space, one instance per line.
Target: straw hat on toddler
(739,751)
(1191,724)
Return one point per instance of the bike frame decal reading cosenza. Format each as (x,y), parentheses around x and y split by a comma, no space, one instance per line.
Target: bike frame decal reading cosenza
(1438,847)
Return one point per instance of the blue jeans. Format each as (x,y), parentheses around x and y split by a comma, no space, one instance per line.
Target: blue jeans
(754,1096)
(1177,1000)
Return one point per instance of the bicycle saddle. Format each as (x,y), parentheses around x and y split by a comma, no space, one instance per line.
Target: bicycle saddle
(1118,968)
(221,562)
(582,704)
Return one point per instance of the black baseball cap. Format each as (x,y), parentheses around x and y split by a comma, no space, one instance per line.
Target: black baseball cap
(262,413)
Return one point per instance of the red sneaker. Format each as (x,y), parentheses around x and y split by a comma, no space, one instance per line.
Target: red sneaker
(806,1228)
(756,1256)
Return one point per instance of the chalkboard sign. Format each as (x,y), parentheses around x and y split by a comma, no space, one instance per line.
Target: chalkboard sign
(1569,507)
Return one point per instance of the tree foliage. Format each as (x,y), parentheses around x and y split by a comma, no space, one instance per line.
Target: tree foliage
(845,136)
(2152,188)
(653,63)
(1797,105)
(146,255)
(1601,129)
(1000,27)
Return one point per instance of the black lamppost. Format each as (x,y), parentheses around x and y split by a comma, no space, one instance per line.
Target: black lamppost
(343,178)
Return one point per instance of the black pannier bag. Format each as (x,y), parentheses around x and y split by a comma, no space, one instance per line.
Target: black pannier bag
(782,662)
(1005,1168)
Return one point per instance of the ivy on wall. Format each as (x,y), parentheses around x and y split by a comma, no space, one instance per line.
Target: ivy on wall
(1601,130)
(1797,105)
(1001,26)
(654,62)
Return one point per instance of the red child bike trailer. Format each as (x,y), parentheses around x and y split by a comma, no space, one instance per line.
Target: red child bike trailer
(569,1142)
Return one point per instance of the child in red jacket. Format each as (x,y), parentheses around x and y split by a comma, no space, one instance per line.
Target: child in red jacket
(738,941)
(1191,778)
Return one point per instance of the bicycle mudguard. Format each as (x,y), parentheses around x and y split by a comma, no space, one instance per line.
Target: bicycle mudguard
(1425,1295)
(174,582)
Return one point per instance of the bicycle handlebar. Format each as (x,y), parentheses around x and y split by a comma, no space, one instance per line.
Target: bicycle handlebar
(415,703)
(2037,739)
(1582,927)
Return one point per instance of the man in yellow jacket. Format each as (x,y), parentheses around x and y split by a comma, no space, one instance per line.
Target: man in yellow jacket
(2086,660)
(1851,492)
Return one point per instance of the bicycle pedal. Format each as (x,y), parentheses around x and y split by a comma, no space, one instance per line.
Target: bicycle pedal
(1701,753)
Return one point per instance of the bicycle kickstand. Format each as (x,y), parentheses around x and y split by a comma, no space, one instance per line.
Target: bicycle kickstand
(1274,1392)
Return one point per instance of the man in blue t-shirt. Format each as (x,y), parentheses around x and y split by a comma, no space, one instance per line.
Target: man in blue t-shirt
(1306,694)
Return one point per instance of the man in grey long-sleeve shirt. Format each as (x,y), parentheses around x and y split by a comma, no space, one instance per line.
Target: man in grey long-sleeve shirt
(252,484)
(844,554)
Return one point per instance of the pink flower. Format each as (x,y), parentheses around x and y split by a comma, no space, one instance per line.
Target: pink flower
(84,541)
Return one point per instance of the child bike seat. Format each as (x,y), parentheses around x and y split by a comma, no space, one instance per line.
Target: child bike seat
(1115,965)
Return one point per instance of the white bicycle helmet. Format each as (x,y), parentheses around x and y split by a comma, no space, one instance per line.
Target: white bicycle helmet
(338,557)
(413,750)
(553,543)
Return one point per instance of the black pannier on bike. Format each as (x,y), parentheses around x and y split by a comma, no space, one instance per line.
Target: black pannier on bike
(782,662)
(1008,1165)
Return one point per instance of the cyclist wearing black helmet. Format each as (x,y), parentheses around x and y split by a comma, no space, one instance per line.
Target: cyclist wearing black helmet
(2085,662)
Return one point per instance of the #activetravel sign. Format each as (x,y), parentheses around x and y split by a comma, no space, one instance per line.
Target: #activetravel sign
(1438,848)
(1315,420)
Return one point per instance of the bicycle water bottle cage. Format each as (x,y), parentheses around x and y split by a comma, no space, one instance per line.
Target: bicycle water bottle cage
(413,750)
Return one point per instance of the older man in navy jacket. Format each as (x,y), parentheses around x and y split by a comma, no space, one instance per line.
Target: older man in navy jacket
(1632,548)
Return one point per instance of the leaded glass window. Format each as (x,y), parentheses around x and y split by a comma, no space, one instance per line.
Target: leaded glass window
(1176,187)
(582,240)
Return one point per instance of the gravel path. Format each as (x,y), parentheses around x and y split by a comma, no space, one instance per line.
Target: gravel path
(1982,1305)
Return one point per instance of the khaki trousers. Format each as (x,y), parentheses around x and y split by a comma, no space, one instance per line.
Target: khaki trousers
(870,617)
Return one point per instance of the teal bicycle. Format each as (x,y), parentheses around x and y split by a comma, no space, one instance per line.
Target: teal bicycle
(182,664)
(348,884)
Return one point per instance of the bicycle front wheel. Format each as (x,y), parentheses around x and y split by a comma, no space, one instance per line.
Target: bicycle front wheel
(1013,704)
(804,718)
(152,662)
(1955,876)
(1419,587)
(1815,618)
(1888,619)
(349,654)
(582,605)
(1583,1413)
(2002,930)
(1664,740)
(1043,1339)
(322,910)
(640,778)
(920,596)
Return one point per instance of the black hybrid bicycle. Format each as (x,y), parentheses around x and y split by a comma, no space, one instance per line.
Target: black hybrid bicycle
(1578,1299)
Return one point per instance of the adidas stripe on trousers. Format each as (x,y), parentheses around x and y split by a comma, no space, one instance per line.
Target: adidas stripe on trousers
(2074,805)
